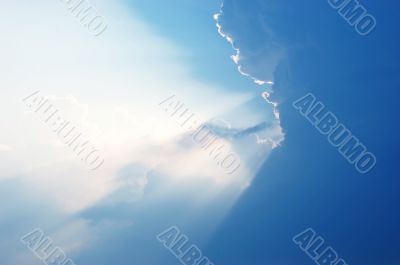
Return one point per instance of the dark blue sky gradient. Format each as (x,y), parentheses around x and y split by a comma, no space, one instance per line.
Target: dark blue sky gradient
(306,182)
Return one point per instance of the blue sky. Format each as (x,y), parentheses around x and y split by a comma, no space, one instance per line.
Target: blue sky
(208,56)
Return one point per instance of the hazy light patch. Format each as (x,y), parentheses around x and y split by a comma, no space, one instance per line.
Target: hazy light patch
(110,87)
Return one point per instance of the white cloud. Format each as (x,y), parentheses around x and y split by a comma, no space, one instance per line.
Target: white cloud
(109,87)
